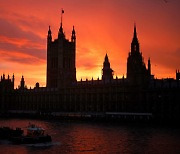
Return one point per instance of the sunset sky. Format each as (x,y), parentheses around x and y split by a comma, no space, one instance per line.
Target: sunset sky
(102,26)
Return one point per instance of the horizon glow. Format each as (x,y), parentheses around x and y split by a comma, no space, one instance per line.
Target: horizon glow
(101,27)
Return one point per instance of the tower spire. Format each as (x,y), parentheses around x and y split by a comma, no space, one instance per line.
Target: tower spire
(22,83)
(49,36)
(73,37)
(107,72)
(135,42)
(49,31)
(106,59)
(135,33)
(149,66)
(61,27)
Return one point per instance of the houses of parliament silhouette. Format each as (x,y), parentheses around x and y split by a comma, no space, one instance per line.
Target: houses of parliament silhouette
(139,95)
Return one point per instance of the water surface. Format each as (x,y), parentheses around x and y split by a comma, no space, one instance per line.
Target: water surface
(93,137)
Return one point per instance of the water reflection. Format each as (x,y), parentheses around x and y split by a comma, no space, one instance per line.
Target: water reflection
(86,137)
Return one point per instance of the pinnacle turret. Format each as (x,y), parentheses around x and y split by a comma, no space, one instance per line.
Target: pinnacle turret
(135,42)
(73,37)
(107,71)
(61,33)
(49,37)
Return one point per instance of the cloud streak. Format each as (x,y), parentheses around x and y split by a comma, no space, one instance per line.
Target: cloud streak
(15,41)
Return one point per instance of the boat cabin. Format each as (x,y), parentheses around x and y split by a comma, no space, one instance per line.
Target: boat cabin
(34,130)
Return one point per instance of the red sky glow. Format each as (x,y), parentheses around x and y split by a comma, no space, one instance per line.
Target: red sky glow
(102,26)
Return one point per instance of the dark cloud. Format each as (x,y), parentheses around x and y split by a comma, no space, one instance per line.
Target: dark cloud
(32,46)
(20,59)
(33,23)
(32,51)
(29,60)
(11,30)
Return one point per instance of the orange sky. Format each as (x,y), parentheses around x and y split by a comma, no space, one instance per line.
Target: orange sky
(101,26)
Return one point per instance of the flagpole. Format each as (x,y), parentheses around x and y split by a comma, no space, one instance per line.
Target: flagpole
(62,11)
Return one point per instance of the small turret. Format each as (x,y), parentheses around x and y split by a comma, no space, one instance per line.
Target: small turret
(3,76)
(61,33)
(13,79)
(73,37)
(107,71)
(22,83)
(135,42)
(149,66)
(177,75)
(49,37)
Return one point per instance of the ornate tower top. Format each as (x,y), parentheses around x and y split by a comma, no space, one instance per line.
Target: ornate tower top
(22,83)
(135,42)
(106,62)
(49,31)
(149,66)
(107,71)
(61,33)
(73,37)
(135,33)
(137,73)
(49,37)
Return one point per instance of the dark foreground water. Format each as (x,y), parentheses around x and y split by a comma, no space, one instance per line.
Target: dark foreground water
(91,137)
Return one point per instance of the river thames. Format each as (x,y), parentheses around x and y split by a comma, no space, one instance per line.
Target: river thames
(93,137)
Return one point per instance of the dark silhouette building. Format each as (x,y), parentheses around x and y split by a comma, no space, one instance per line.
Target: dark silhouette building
(6,84)
(139,95)
(137,73)
(61,64)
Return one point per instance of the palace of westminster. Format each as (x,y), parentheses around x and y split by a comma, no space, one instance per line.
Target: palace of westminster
(138,93)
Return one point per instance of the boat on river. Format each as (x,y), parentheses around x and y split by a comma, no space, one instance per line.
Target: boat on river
(6,133)
(35,134)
